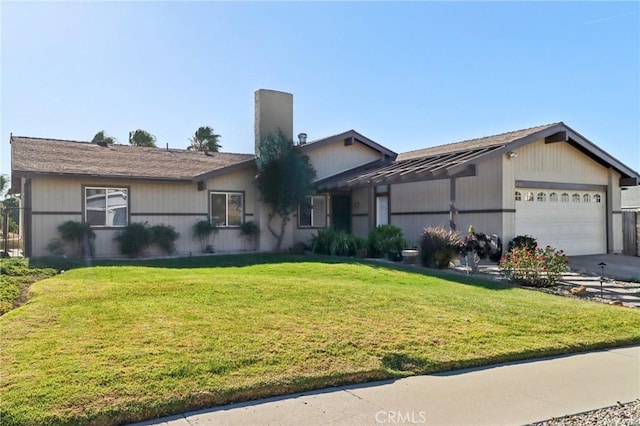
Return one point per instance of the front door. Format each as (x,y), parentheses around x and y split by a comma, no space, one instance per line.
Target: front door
(341,212)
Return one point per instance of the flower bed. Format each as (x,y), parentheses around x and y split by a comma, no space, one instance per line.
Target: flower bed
(534,266)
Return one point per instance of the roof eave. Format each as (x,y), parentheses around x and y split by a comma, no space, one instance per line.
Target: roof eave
(31,174)
(224,170)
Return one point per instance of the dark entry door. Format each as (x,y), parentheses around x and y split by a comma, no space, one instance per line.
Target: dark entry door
(341,212)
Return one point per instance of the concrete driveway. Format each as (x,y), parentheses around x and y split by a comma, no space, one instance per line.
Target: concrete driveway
(619,267)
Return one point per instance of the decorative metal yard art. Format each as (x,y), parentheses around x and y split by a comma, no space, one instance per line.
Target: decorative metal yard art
(476,246)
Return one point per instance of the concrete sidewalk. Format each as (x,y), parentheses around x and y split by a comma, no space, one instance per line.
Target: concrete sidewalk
(515,393)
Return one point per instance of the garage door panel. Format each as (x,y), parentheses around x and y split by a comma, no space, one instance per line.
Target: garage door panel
(577,226)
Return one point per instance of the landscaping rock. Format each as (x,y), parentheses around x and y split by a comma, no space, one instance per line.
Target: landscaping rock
(618,415)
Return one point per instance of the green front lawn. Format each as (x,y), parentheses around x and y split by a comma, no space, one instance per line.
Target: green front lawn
(109,344)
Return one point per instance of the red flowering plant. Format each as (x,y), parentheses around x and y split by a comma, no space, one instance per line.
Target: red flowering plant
(534,266)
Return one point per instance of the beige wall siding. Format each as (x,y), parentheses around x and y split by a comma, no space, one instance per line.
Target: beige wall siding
(487,223)
(167,198)
(335,158)
(483,191)
(425,196)
(303,235)
(182,203)
(56,195)
(45,229)
(413,225)
(360,226)
(555,162)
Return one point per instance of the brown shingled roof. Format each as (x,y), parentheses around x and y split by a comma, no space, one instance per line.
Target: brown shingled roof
(472,144)
(63,157)
(454,159)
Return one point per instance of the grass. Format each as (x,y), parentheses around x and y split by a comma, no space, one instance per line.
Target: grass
(110,345)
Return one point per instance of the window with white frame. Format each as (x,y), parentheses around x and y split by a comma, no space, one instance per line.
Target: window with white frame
(382,210)
(105,206)
(227,208)
(312,212)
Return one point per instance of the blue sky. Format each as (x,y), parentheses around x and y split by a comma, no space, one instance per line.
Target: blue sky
(407,75)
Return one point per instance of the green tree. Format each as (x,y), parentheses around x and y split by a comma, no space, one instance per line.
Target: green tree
(4,183)
(205,140)
(101,136)
(285,178)
(13,204)
(141,137)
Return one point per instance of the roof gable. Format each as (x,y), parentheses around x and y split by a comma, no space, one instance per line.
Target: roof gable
(74,158)
(350,136)
(461,158)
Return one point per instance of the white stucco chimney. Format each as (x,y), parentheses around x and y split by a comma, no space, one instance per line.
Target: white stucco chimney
(273,111)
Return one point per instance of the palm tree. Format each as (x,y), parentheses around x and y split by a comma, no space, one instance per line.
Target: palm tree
(142,138)
(205,140)
(101,136)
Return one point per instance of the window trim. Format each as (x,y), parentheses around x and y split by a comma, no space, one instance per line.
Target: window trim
(227,193)
(326,210)
(105,187)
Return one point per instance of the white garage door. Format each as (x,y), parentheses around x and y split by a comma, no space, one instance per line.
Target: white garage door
(565,219)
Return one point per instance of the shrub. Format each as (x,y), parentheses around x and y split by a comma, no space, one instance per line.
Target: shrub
(134,239)
(165,237)
(321,242)
(342,244)
(15,278)
(438,247)
(537,267)
(386,239)
(80,235)
(55,247)
(335,243)
(250,230)
(202,230)
(523,241)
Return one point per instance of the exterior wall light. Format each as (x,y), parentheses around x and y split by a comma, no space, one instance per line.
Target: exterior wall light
(512,154)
